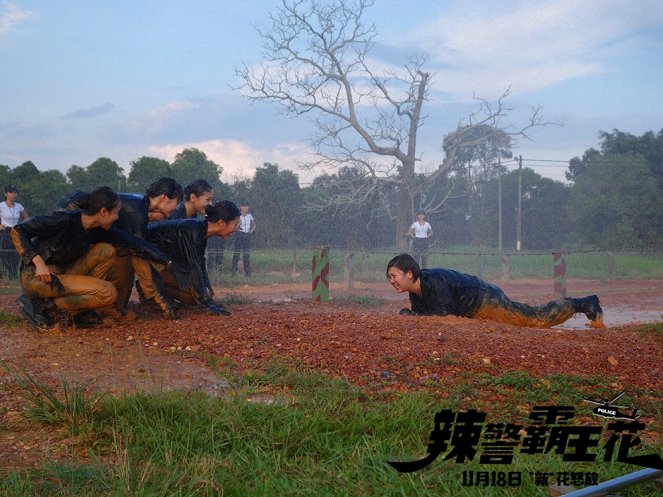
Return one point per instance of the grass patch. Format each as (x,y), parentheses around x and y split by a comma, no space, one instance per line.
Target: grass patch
(10,319)
(360,300)
(73,407)
(655,329)
(329,439)
(234,298)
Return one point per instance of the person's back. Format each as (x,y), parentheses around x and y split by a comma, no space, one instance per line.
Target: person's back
(445,291)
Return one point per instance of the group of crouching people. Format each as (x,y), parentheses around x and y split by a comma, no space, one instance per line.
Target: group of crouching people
(79,263)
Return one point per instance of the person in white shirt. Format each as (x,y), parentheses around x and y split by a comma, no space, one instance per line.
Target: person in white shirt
(245,229)
(11,213)
(420,232)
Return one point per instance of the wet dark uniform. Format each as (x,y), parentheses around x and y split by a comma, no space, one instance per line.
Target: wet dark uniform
(445,291)
(133,218)
(184,241)
(79,258)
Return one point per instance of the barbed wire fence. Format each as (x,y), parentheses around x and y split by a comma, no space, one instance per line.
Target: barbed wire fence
(351,266)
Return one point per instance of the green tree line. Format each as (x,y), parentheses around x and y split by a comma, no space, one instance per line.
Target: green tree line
(611,201)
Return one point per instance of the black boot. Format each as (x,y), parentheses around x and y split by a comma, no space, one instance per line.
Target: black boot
(40,313)
(591,308)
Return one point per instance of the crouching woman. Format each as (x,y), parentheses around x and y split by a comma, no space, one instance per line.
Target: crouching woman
(185,241)
(66,256)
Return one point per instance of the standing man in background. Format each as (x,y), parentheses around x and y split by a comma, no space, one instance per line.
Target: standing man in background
(11,213)
(420,232)
(247,226)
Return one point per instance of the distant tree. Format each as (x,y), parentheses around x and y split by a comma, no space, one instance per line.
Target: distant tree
(544,223)
(577,165)
(191,164)
(361,224)
(317,64)
(105,172)
(614,204)
(40,193)
(649,146)
(275,201)
(77,177)
(24,172)
(478,152)
(145,171)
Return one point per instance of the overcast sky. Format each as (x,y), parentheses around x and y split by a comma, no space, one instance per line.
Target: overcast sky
(83,79)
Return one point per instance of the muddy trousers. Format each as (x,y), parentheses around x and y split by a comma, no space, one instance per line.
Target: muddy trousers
(188,296)
(122,273)
(496,306)
(84,282)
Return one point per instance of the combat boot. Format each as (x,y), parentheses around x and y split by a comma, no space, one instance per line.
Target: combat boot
(41,314)
(591,308)
(166,305)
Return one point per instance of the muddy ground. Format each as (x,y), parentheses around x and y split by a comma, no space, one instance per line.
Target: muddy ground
(361,339)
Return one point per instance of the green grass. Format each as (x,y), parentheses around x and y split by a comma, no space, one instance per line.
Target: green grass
(317,437)
(10,319)
(655,328)
(283,265)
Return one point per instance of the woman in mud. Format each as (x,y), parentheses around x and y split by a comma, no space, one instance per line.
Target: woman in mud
(444,291)
(197,196)
(66,257)
(185,241)
(159,202)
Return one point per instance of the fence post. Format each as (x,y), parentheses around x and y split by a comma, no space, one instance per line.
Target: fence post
(293,272)
(506,267)
(348,271)
(559,274)
(320,275)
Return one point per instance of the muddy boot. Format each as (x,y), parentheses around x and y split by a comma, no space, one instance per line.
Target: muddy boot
(87,320)
(591,308)
(39,313)
(111,316)
(166,305)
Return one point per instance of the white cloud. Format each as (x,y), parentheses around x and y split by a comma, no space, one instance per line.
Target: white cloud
(237,158)
(488,46)
(11,15)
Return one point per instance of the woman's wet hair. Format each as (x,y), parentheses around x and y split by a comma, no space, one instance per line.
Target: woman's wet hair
(97,199)
(165,186)
(405,262)
(224,210)
(197,187)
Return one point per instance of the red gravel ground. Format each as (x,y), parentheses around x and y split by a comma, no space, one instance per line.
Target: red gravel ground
(369,345)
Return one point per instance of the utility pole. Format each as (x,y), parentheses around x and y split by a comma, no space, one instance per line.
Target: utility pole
(499,206)
(520,197)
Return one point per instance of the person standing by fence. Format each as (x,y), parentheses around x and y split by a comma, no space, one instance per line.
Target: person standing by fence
(11,213)
(420,232)
(247,226)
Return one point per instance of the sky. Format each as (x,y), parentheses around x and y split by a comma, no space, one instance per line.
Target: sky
(83,79)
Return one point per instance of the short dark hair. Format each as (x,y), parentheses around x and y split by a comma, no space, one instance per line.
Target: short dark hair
(244,203)
(102,197)
(224,210)
(11,188)
(165,186)
(405,262)
(197,187)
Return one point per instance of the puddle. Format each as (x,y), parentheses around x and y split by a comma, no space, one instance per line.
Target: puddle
(615,316)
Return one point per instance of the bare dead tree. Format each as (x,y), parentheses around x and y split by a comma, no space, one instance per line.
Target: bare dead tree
(316,63)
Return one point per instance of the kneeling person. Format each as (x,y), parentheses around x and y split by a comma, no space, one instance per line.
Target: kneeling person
(444,291)
(65,258)
(185,241)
